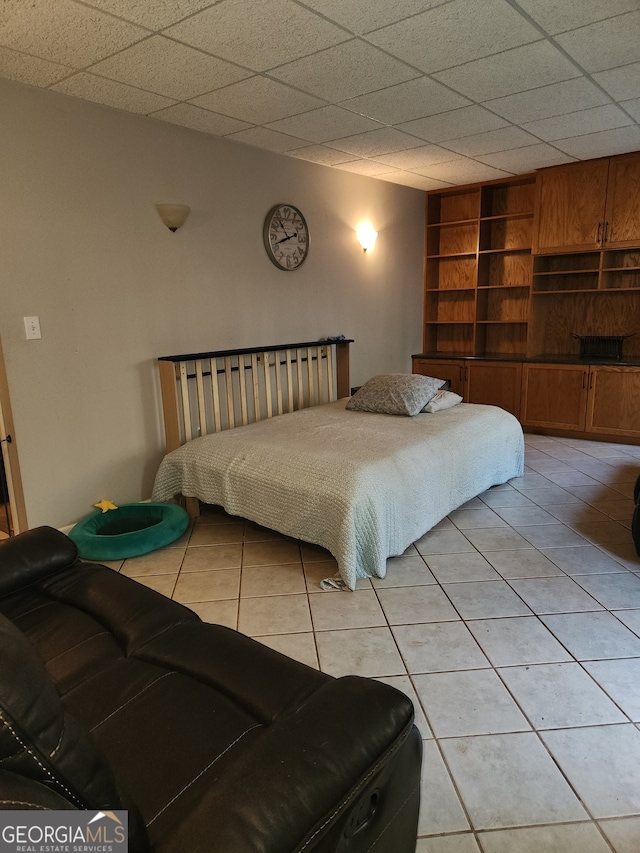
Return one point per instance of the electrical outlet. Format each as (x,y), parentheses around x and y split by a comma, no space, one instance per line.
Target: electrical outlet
(32,328)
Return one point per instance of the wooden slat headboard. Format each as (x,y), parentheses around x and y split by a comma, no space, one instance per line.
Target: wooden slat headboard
(211,391)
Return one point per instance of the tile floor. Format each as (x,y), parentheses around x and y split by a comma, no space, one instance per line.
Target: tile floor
(514,626)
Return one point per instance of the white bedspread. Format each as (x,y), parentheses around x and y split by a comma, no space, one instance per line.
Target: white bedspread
(363,486)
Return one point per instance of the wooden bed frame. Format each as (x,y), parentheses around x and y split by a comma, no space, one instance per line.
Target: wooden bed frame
(211,391)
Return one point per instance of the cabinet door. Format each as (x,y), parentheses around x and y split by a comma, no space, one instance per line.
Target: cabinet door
(570,205)
(614,401)
(623,202)
(554,395)
(443,369)
(496,383)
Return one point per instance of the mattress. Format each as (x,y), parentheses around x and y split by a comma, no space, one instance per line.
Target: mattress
(364,486)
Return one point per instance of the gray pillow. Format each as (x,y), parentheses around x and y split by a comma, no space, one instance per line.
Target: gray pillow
(395,394)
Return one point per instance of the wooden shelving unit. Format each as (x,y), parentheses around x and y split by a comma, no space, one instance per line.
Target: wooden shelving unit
(478,269)
(515,270)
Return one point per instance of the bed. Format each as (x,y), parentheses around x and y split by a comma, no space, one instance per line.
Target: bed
(362,485)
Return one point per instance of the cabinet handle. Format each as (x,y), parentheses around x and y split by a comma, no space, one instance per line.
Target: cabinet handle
(606,232)
(591,382)
(584,379)
(599,234)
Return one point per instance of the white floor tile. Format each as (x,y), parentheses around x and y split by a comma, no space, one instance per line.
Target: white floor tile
(370,652)
(558,695)
(561,838)
(468,702)
(440,808)
(438,647)
(624,833)
(485,599)
(521,640)
(510,780)
(602,763)
(621,680)
(593,636)
(554,595)
(405,605)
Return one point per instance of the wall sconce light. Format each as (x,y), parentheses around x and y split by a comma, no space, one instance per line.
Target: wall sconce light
(173,215)
(367,236)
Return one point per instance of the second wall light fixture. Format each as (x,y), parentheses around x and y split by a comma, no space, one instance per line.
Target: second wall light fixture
(173,215)
(367,236)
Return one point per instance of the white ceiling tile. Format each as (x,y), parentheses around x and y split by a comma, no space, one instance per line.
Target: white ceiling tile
(345,71)
(154,14)
(463,172)
(511,71)
(579,123)
(603,144)
(321,154)
(454,33)
(324,124)
(632,107)
(112,94)
(606,44)
(259,34)
(621,83)
(503,139)
(362,16)
(415,158)
(258,100)
(410,179)
(556,17)
(526,159)
(406,101)
(385,140)
(262,137)
(363,167)
(29,69)
(547,101)
(63,31)
(454,124)
(167,68)
(198,119)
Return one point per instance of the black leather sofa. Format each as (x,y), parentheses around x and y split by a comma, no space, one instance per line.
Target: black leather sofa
(115,697)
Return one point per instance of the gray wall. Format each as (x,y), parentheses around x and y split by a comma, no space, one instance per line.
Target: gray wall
(83,249)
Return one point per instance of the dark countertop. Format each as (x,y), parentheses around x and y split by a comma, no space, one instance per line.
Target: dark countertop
(632,361)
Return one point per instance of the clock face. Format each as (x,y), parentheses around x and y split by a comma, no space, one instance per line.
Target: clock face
(286,237)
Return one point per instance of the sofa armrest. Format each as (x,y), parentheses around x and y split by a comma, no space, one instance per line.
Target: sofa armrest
(33,555)
(19,792)
(294,786)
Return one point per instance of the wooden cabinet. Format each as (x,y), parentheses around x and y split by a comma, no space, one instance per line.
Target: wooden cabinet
(554,395)
(452,371)
(478,269)
(570,203)
(613,404)
(589,205)
(495,383)
(592,398)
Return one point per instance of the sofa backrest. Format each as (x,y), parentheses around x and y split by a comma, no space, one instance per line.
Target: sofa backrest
(41,742)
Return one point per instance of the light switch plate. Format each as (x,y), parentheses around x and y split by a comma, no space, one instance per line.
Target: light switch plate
(32,328)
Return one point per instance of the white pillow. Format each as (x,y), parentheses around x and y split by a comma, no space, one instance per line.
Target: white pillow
(442,400)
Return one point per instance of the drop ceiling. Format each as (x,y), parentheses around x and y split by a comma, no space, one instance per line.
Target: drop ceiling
(426,93)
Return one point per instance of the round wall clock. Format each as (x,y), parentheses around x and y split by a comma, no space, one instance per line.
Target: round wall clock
(286,237)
